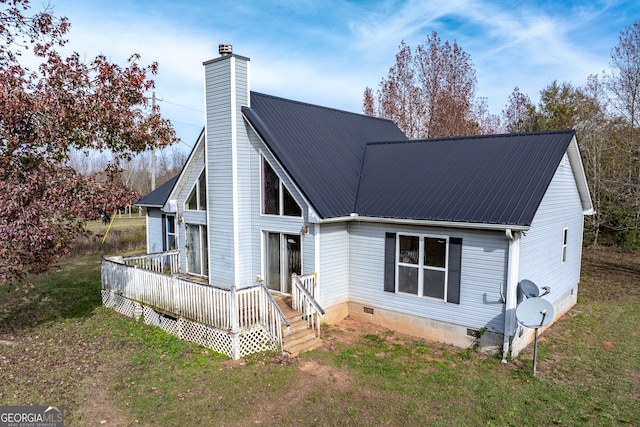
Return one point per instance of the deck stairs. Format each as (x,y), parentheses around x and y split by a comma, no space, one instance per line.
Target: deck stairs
(298,338)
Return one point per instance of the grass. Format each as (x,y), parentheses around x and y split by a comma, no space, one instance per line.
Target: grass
(125,235)
(65,348)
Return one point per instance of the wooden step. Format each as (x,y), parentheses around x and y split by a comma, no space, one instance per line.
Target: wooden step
(301,347)
(298,338)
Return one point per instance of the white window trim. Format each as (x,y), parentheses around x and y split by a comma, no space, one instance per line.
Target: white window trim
(200,254)
(565,244)
(175,231)
(281,186)
(196,186)
(421,267)
(263,250)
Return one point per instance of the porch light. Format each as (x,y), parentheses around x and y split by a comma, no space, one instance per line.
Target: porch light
(305,229)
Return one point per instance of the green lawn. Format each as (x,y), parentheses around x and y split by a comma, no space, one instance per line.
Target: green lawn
(62,347)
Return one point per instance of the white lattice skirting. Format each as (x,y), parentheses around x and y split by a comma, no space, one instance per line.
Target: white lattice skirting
(235,345)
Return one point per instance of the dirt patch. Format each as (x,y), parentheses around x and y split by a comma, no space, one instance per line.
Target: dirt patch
(324,374)
(99,410)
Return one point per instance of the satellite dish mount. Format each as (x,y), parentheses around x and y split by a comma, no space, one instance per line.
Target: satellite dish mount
(535,313)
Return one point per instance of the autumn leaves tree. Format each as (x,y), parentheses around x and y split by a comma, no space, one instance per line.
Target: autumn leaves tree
(63,104)
(429,92)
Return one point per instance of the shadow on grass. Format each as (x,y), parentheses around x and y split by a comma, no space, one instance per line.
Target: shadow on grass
(70,290)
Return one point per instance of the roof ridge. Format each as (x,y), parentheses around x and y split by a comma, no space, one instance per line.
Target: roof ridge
(471,137)
(293,101)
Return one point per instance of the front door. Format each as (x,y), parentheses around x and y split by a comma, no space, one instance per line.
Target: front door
(282,253)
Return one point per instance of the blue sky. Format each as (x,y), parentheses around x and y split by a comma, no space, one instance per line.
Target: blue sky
(327,52)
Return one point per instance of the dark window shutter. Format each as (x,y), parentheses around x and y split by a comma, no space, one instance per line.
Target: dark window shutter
(390,262)
(164,232)
(455,261)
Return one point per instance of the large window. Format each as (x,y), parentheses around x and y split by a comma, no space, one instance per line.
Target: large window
(423,265)
(197,200)
(276,198)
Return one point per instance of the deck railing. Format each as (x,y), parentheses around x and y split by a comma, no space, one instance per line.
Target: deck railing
(160,262)
(235,312)
(303,300)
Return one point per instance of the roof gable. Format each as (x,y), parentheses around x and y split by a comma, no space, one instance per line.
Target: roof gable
(158,197)
(496,179)
(320,148)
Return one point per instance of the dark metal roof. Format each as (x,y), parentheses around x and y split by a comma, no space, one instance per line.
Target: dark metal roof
(158,197)
(495,179)
(320,148)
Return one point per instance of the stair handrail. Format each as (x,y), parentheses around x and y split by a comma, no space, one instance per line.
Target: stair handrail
(307,295)
(309,307)
(275,305)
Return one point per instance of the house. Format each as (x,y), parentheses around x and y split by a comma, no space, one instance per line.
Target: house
(426,237)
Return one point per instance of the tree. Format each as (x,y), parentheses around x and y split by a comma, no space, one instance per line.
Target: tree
(448,82)
(64,104)
(519,114)
(624,86)
(597,141)
(624,81)
(430,94)
(559,106)
(399,97)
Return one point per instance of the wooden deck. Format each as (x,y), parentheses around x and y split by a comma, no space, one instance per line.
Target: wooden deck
(235,322)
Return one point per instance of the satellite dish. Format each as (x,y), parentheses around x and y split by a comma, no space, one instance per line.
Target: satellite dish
(529,288)
(534,313)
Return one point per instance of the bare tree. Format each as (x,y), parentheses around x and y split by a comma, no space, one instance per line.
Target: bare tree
(429,94)
(624,85)
(519,114)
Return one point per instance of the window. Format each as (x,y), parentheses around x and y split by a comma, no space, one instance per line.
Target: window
(197,250)
(424,265)
(565,232)
(197,200)
(276,198)
(171,233)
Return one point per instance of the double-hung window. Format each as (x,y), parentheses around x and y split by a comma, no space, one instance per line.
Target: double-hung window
(423,265)
(171,233)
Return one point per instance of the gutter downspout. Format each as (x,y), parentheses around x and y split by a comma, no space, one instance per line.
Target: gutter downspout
(513,261)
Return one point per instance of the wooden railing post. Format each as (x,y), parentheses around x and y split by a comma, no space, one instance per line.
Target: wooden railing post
(233,314)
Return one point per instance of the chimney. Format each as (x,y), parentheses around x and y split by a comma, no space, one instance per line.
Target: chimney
(227,156)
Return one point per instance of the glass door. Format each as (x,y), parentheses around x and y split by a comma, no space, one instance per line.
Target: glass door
(197,252)
(282,259)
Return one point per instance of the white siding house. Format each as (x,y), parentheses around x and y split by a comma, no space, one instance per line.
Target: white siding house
(427,237)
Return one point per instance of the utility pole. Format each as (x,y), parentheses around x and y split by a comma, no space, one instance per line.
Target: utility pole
(153,150)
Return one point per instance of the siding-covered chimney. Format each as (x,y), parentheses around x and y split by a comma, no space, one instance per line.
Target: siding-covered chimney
(227,162)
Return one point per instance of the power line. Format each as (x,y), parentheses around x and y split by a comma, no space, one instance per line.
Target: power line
(186,124)
(182,106)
